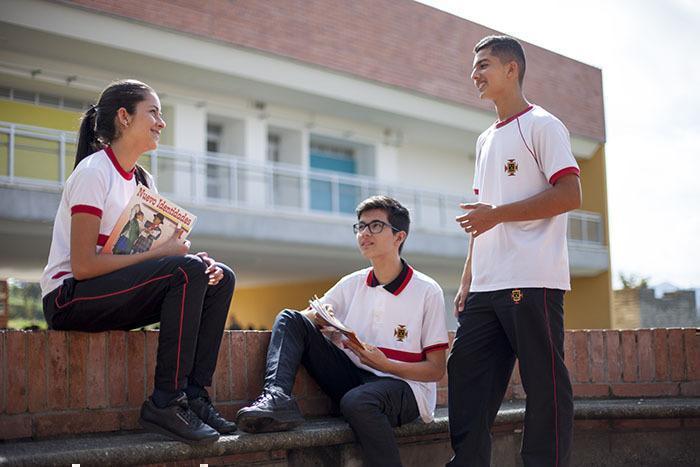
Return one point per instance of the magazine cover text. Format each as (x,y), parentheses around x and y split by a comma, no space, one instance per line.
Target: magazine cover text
(147,221)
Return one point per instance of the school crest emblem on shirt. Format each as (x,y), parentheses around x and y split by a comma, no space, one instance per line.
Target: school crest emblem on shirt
(400,333)
(516,295)
(511,167)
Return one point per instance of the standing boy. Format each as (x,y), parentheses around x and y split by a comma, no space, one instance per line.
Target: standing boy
(396,311)
(510,300)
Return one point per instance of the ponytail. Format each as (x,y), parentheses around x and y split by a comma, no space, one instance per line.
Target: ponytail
(140,174)
(87,139)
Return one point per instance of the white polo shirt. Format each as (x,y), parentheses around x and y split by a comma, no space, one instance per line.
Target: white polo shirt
(405,319)
(516,159)
(98,186)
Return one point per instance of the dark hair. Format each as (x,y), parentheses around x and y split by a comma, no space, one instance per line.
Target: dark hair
(97,126)
(395,212)
(507,49)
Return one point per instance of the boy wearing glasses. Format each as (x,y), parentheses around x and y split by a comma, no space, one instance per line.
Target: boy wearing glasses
(397,313)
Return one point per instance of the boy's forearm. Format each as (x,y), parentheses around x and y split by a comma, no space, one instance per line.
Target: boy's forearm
(563,197)
(425,371)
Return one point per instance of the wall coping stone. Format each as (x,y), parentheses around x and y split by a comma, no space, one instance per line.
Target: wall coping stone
(146,448)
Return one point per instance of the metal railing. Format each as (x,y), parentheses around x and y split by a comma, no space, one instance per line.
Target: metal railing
(35,156)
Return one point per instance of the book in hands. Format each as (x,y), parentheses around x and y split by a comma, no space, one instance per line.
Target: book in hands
(147,221)
(334,322)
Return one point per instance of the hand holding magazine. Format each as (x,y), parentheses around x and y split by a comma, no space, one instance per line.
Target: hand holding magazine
(334,322)
(147,221)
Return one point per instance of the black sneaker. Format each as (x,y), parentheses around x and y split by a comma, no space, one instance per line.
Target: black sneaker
(204,409)
(177,421)
(271,411)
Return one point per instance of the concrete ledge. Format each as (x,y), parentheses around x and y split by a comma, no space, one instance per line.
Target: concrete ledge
(144,448)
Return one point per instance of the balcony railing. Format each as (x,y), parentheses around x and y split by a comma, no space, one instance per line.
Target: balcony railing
(41,157)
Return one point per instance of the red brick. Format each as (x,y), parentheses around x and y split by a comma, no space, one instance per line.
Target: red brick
(320,33)
(229,409)
(691,340)
(628,339)
(17,360)
(313,389)
(569,351)
(57,370)
(581,356)
(661,364)
(691,422)
(443,381)
(597,356)
(518,392)
(251,458)
(97,396)
(645,354)
(77,369)
(256,350)
(37,377)
(222,376)
(647,424)
(151,353)
(3,370)
(239,373)
(595,425)
(590,390)
(300,382)
(691,389)
(676,354)
(515,377)
(135,368)
(645,389)
(129,419)
(15,426)
(613,355)
(116,368)
(442,397)
(66,423)
(508,395)
(315,406)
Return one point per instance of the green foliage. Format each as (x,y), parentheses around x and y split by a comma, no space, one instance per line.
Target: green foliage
(633,281)
(21,323)
(25,301)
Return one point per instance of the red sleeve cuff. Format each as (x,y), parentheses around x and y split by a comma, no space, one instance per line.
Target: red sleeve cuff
(432,348)
(568,170)
(84,208)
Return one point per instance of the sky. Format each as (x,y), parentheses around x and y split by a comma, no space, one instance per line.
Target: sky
(649,53)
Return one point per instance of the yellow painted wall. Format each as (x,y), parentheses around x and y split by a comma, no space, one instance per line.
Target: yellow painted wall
(37,115)
(36,158)
(589,304)
(258,306)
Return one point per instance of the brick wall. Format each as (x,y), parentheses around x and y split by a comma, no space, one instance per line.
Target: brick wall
(56,383)
(398,43)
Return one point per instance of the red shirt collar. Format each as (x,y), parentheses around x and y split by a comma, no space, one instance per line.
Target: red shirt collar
(513,117)
(397,285)
(126,175)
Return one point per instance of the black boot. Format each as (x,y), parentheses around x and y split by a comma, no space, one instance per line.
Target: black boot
(177,421)
(271,411)
(204,409)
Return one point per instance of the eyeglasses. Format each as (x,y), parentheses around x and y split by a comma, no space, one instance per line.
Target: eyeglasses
(375,227)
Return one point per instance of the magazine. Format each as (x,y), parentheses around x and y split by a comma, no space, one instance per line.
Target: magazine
(334,322)
(147,221)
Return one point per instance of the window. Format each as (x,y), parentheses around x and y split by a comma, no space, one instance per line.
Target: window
(216,183)
(273,147)
(327,195)
(40,98)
